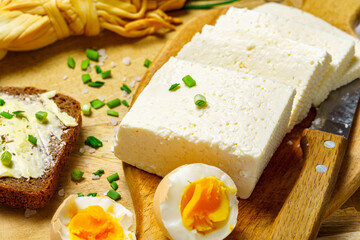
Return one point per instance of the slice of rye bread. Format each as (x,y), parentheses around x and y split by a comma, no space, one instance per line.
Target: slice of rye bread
(34,193)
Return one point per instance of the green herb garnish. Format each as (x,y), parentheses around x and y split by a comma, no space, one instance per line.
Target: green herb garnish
(6,159)
(92,54)
(85,64)
(18,114)
(189,81)
(6,115)
(106,74)
(86,78)
(99,172)
(76,175)
(32,139)
(92,194)
(71,62)
(113,177)
(80,195)
(114,103)
(125,103)
(147,63)
(96,103)
(114,185)
(199,100)
(41,115)
(112,113)
(113,194)
(125,88)
(174,87)
(93,142)
(86,109)
(2,102)
(98,69)
(206,6)
(96,84)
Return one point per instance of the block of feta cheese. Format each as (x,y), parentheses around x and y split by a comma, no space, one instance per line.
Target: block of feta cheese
(267,61)
(321,55)
(298,15)
(239,129)
(340,49)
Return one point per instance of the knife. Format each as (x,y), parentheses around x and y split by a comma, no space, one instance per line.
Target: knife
(324,145)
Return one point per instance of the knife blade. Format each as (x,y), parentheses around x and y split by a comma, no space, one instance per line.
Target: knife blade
(324,145)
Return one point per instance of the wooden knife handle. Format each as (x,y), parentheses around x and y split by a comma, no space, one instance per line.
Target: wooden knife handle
(301,215)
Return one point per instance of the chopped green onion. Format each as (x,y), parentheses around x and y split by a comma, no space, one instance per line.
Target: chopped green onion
(106,74)
(6,158)
(93,142)
(85,64)
(189,81)
(32,139)
(98,69)
(80,195)
(174,87)
(41,115)
(113,194)
(92,54)
(99,172)
(125,88)
(97,103)
(114,185)
(86,78)
(77,175)
(86,109)
(71,62)
(18,114)
(114,103)
(6,115)
(147,63)
(199,100)
(2,102)
(206,6)
(112,113)
(92,194)
(113,177)
(96,84)
(125,103)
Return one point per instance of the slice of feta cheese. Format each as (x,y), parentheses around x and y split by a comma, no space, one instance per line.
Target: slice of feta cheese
(267,61)
(239,129)
(298,15)
(340,49)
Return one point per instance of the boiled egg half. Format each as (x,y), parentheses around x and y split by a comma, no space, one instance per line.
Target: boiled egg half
(79,218)
(196,201)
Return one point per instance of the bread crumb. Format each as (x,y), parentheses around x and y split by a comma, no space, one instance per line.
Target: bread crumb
(112,64)
(113,121)
(137,78)
(126,61)
(290,142)
(95,177)
(91,150)
(29,213)
(65,77)
(104,139)
(61,192)
(85,91)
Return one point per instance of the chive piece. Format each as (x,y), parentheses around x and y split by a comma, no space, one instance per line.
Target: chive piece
(112,113)
(18,114)
(2,102)
(92,54)
(98,69)
(85,64)
(97,103)
(76,175)
(106,74)
(71,62)
(41,115)
(113,194)
(86,109)
(174,87)
(147,63)
(80,195)
(86,78)
(6,158)
(6,115)
(93,142)
(114,103)
(32,139)
(206,6)
(125,88)
(113,177)
(125,103)
(99,172)
(199,100)
(189,81)
(114,185)
(92,194)
(96,84)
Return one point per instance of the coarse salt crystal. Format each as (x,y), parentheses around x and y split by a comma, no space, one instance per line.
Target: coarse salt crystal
(137,78)
(124,93)
(126,61)
(88,69)
(101,63)
(116,129)
(298,146)
(290,142)
(105,192)
(61,192)
(112,148)
(95,177)
(87,147)
(132,84)
(113,121)
(101,98)
(65,77)
(112,64)
(29,213)
(92,65)
(86,162)
(124,79)
(317,121)
(102,52)
(82,150)
(85,91)
(91,150)
(104,139)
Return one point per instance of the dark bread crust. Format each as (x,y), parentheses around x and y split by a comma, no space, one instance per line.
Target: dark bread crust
(35,193)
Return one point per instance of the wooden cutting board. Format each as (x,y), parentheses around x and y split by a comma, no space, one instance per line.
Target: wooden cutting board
(258,213)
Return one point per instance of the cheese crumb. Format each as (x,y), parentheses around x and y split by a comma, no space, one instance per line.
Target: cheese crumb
(61,192)
(29,213)
(126,61)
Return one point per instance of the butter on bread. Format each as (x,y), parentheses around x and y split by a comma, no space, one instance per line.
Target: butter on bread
(36,192)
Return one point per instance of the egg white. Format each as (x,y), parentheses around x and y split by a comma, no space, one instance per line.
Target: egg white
(123,216)
(170,208)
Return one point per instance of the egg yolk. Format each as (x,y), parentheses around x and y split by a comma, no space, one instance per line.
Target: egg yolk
(205,205)
(93,223)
